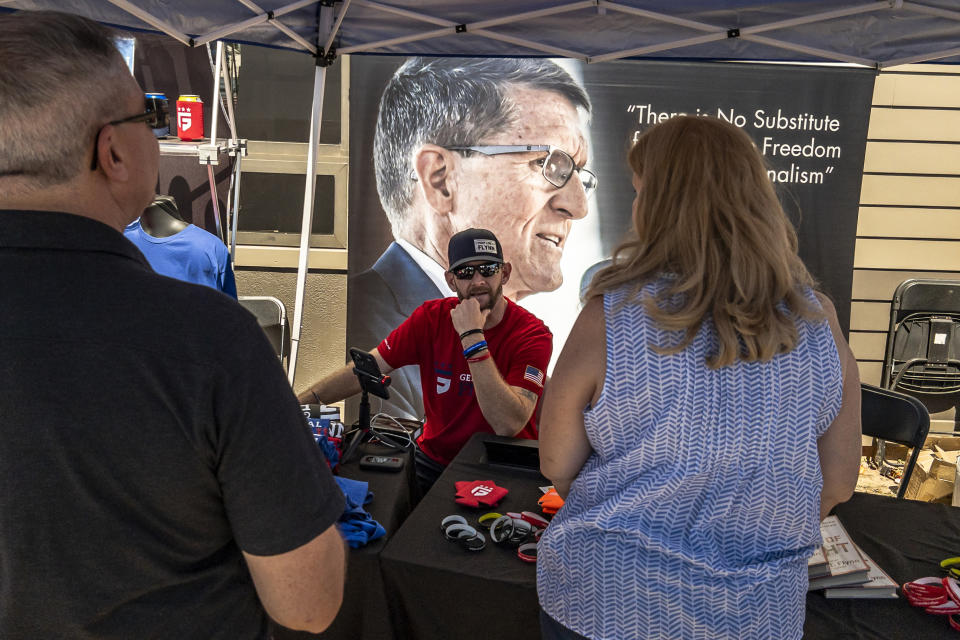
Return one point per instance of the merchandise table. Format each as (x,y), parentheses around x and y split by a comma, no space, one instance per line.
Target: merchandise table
(363,615)
(908,540)
(436,590)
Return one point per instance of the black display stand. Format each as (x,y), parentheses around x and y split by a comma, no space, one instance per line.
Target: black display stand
(369,383)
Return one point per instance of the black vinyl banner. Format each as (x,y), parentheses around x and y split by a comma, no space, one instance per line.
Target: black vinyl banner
(809,121)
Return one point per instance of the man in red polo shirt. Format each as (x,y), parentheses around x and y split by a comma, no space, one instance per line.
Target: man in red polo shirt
(482,358)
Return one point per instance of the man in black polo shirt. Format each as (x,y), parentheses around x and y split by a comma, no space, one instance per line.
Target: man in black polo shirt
(157,479)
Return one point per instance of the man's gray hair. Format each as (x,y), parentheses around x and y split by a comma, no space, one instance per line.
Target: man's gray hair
(58,85)
(451,102)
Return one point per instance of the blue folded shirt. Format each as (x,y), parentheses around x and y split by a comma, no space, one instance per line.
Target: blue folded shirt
(356,525)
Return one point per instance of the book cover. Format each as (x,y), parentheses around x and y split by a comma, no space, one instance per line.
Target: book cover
(878,584)
(817,564)
(846,565)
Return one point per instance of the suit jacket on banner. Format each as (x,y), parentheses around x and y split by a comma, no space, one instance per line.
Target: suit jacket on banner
(381,298)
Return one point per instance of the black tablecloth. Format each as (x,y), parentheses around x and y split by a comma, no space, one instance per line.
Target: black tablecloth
(364,612)
(908,540)
(436,590)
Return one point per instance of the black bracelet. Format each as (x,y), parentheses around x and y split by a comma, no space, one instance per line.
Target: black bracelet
(470,333)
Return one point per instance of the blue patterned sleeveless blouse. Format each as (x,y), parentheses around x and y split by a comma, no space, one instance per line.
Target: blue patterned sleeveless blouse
(699,506)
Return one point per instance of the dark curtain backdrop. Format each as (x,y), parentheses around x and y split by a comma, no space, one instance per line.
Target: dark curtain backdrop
(821,195)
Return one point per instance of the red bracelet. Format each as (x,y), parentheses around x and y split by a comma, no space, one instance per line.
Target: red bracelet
(478,358)
(939,596)
(527,552)
(535,519)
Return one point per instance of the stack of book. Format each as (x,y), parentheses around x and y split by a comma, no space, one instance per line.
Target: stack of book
(843,570)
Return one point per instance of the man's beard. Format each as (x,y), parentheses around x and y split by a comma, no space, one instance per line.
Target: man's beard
(494,296)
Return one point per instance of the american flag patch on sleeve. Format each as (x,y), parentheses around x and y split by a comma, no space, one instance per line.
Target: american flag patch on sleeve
(534,375)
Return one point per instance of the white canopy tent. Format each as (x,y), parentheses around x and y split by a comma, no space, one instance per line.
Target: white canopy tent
(876,34)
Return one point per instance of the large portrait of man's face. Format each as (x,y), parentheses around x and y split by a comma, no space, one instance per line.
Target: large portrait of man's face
(490,143)
(508,193)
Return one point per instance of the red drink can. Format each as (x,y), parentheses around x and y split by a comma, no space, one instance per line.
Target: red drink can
(190,117)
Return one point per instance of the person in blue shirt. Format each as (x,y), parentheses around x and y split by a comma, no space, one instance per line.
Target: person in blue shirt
(180,250)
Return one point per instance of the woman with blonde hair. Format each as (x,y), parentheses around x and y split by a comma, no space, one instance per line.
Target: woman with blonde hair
(704,414)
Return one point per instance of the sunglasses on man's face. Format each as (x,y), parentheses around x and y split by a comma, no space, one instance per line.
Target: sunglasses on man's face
(487,270)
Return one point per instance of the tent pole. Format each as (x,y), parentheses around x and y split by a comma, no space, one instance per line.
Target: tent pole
(233,209)
(215,108)
(228,94)
(336,25)
(212,179)
(926,57)
(325,27)
(153,21)
(230,29)
(261,17)
(215,112)
(319,78)
(822,53)
(236,207)
(664,46)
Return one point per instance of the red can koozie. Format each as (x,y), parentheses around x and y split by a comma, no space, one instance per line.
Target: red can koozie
(190,118)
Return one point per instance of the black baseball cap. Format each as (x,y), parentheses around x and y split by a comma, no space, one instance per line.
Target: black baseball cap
(473,244)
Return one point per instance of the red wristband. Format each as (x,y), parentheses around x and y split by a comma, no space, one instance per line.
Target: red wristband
(527,552)
(535,519)
(478,358)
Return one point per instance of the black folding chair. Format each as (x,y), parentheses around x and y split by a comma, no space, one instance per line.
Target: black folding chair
(895,417)
(272,318)
(922,355)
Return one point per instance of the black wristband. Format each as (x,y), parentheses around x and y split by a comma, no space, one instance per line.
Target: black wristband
(470,333)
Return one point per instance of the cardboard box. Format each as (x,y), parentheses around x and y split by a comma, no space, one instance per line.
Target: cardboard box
(956,490)
(947,443)
(927,488)
(934,475)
